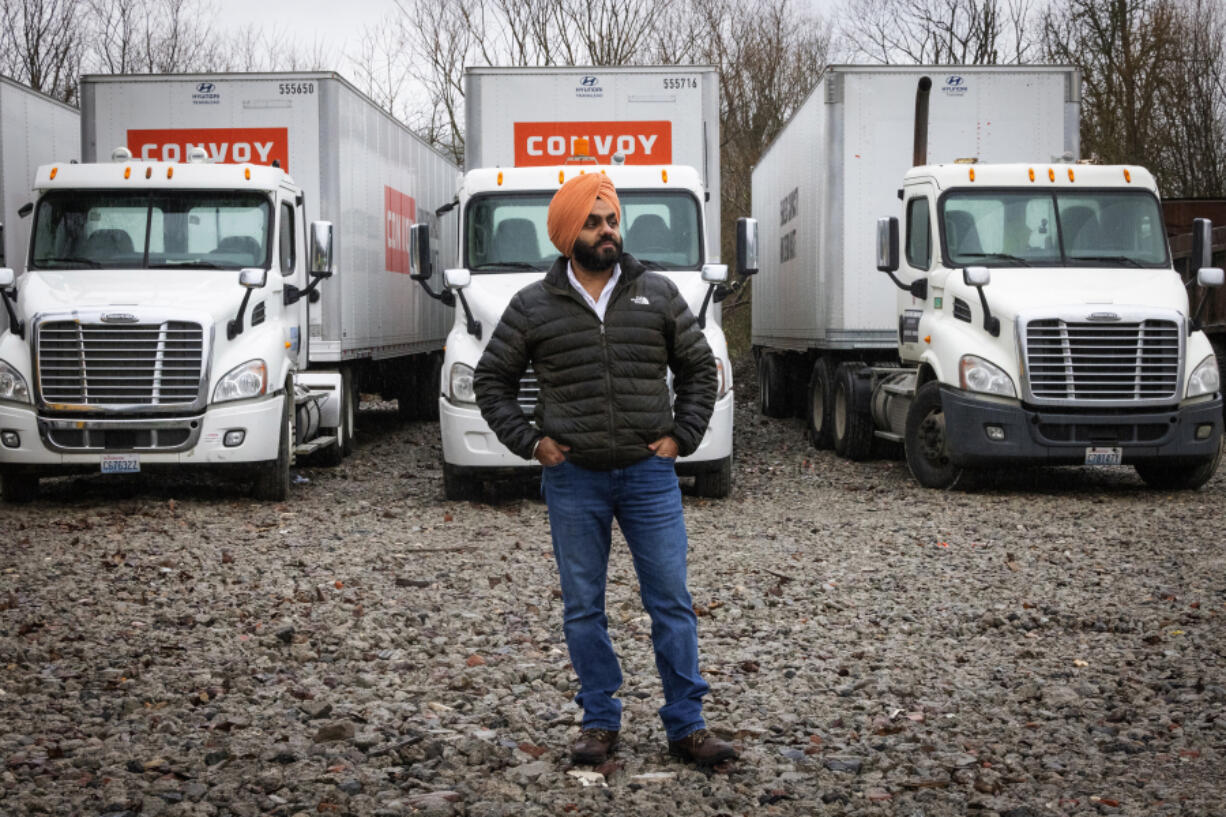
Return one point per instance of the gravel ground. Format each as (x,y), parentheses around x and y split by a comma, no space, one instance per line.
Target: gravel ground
(1048,644)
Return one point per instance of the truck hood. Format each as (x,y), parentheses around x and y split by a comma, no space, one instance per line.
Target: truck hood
(213,291)
(1014,291)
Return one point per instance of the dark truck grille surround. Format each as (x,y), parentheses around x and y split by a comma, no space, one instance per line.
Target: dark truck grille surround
(1117,362)
(111,366)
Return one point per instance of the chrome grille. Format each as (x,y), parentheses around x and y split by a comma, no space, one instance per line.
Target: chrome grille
(97,364)
(1103,362)
(529,392)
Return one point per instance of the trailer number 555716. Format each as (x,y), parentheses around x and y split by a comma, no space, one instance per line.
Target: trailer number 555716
(679,83)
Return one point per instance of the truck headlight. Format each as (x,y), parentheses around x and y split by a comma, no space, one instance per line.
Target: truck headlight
(249,379)
(461,383)
(976,374)
(1204,379)
(722,376)
(13,386)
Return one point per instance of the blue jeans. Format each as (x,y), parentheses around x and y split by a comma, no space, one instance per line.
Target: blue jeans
(646,501)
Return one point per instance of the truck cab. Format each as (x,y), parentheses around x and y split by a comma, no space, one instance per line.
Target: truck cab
(1040,321)
(161,324)
(505,246)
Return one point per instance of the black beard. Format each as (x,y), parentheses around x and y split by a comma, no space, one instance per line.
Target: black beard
(596,260)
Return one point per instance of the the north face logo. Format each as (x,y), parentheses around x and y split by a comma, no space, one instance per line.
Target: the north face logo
(640,299)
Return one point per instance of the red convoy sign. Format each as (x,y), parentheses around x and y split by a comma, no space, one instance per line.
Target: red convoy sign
(400,213)
(257,146)
(551,143)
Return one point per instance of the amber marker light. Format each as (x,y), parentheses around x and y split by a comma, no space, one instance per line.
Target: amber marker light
(971,173)
(664,176)
(1127,176)
(127,172)
(1051,175)
(54,171)
(1031,174)
(148,173)
(561,176)
(247,173)
(1071,178)
(500,178)
(170,172)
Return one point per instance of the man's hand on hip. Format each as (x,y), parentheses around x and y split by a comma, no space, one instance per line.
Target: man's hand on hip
(665,447)
(549,452)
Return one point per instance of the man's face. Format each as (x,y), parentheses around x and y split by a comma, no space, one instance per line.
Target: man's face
(599,244)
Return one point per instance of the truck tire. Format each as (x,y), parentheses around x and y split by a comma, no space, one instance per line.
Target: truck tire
(18,489)
(272,477)
(852,427)
(925,440)
(457,486)
(333,455)
(716,483)
(772,386)
(821,398)
(1164,477)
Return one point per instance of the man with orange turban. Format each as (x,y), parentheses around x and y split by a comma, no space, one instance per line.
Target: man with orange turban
(602,333)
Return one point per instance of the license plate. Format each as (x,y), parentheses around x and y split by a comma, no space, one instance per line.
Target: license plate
(1104,456)
(120,464)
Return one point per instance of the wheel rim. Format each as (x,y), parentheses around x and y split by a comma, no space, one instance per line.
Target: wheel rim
(932,439)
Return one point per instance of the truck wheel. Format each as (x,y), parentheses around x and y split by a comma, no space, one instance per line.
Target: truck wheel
(459,487)
(852,429)
(821,398)
(772,386)
(716,483)
(333,455)
(925,440)
(1177,477)
(272,477)
(19,489)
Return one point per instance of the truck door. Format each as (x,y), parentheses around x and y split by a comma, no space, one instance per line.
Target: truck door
(291,268)
(918,261)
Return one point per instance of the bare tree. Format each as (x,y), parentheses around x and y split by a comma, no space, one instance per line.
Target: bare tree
(41,43)
(942,32)
(254,48)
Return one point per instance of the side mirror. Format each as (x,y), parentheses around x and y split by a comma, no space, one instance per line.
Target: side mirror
(7,278)
(714,273)
(419,253)
(320,249)
(456,278)
(746,247)
(976,276)
(1205,276)
(253,278)
(1202,244)
(887,244)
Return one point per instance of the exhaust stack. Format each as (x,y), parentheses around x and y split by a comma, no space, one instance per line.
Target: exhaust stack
(919,153)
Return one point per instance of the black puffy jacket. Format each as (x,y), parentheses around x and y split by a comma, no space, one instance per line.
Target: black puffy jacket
(603,387)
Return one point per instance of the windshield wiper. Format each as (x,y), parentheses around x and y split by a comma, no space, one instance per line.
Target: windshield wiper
(70,259)
(1114,259)
(996,256)
(192,265)
(507,265)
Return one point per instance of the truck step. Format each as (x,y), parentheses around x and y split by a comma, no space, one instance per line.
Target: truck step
(314,445)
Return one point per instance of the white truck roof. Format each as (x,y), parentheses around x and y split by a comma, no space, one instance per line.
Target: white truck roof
(552,177)
(159,175)
(1037,175)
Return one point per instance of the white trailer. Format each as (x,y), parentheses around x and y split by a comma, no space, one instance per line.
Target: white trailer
(361,169)
(171,314)
(655,131)
(34,129)
(1083,349)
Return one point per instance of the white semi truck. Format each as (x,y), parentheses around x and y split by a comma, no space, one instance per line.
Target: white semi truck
(1038,319)
(655,132)
(171,314)
(34,129)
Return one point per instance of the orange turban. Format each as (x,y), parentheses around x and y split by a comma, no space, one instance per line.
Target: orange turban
(573,203)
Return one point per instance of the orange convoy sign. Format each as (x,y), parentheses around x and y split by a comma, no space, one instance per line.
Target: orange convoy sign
(257,146)
(551,143)
(400,213)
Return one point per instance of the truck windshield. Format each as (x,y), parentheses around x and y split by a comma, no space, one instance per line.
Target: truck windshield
(507,233)
(129,229)
(1054,228)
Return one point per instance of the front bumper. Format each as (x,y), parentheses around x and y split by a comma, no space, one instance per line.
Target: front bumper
(39,453)
(1061,437)
(468,442)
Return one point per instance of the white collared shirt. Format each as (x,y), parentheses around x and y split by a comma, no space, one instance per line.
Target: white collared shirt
(599,305)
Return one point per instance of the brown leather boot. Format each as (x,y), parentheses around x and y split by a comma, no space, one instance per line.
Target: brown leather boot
(703,748)
(593,746)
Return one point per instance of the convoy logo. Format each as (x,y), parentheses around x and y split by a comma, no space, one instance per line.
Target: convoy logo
(258,146)
(206,94)
(954,86)
(400,213)
(589,88)
(551,143)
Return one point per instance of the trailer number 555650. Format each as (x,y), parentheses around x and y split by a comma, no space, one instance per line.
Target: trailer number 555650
(295,88)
